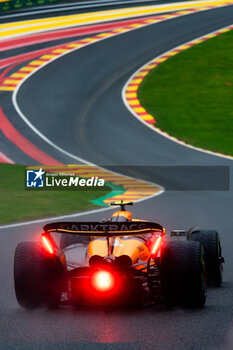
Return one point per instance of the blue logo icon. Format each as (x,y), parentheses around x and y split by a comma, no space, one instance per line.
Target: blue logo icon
(35,178)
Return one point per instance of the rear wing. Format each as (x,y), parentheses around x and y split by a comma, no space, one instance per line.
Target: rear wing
(104,229)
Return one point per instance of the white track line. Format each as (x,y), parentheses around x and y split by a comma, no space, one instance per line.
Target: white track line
(81,160)
(157,130)
(75,6)
(14,100)
(38,221)
(68,216)
(31,126)
(122,12)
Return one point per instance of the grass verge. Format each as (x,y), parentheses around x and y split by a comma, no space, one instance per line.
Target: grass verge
(191,94)
(18,204)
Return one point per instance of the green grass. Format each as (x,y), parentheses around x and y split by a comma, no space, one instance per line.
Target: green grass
(191,94)
(19,204)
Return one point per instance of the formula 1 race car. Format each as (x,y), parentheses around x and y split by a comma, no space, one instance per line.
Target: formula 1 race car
(117,261)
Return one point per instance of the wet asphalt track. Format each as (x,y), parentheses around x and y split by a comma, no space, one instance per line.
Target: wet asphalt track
(76,102)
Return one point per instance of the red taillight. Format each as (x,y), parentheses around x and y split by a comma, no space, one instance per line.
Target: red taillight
(103,281)
(47,245)
(156,246)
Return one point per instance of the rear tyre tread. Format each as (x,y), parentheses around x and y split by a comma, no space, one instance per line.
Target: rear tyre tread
(37,278)
(183,273)
(210,240)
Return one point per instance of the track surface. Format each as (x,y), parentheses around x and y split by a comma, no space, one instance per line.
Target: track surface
(74,7)
(92,122)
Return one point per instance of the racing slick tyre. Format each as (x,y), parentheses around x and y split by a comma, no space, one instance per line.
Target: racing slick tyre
(37,277)
(68,239)
(183,273)
(213,255)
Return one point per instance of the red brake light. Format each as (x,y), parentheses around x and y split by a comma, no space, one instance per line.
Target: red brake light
(47,245)
(156,246)
(103,281)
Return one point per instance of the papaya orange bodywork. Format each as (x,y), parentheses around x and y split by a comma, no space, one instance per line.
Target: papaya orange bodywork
(125,213)
(135,248)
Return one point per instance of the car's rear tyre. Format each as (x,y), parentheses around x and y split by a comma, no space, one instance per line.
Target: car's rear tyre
(213,255)
(37,277)
(69,239)
(183,273)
